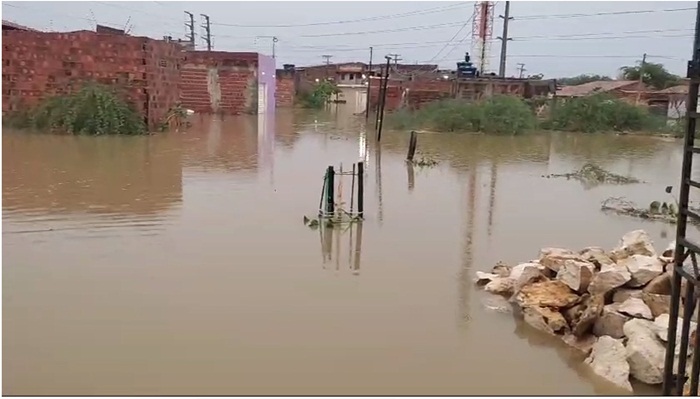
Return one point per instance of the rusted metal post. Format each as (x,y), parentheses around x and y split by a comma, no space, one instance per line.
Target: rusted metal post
(361,189)
(412,143)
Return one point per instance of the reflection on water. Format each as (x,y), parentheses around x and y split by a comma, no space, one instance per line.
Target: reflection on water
(176,263)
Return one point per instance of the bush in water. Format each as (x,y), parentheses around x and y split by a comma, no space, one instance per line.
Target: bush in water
(600,113)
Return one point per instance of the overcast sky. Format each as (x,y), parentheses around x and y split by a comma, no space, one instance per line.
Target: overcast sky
(554,38)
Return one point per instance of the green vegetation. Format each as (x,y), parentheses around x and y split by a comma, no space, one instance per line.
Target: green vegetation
(499,114)
(93,110)
(319,95)
(581,79)
(599,113)
(512,115)
(654,75)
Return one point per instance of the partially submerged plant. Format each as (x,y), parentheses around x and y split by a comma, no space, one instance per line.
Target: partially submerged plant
(593,174)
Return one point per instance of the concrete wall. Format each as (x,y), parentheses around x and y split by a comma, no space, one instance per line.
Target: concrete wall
(220,82)
(267,76)
(37,65)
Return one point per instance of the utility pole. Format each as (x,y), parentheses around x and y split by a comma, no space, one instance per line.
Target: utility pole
(328,63)
(274,42)
(207,31)
(521,68)
(369,83)
(396,59)
(641,78)
(190,26)
(504,40)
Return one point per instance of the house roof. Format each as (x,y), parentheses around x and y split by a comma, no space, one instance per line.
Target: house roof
(586,89)
(680,89)
(15,26)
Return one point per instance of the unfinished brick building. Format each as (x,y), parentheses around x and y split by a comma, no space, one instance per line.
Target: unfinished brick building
(37,65)
(228,82)
(415,93)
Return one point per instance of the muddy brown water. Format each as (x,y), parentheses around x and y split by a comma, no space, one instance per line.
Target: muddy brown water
(179,263)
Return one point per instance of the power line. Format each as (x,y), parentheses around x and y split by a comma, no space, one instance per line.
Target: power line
(377,18)
(453,38)
(409,28)
(597,14)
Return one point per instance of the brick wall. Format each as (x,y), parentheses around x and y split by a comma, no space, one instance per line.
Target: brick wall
(286,88)
(219,82)
(37,65)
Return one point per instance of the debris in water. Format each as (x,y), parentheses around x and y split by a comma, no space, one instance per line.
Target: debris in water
(584,298)
(661,211)
(425,162)
(593,174)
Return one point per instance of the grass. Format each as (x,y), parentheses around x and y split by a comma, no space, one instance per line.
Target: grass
(92,110)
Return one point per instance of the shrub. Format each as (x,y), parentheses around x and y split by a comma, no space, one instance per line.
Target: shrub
(599,113)
(500,114)
(93,110)
(319,95)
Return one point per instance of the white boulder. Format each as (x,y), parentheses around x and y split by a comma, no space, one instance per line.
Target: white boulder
(635,308)
(635,242)
(645,352)
(643,268)
(608,278)
(608,359)
(576,274)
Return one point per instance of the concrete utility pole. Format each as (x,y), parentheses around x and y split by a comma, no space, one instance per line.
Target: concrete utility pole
(274,42)
(521,68)
(328,62)
(369,83)
(641,77)
(190,26)
(396,59)
(207,31)
(504,40)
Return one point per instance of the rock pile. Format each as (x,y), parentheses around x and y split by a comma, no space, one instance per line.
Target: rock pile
(612,305)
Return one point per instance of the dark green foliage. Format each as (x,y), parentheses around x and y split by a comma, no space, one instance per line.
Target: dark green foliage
(319,95)
(599,113)
(499,114)
(581,79)
(93,110)
(654,75)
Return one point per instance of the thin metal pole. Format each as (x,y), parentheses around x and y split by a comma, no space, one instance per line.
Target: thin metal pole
(360,189)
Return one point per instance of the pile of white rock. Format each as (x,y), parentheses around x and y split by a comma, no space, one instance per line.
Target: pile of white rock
(613,306)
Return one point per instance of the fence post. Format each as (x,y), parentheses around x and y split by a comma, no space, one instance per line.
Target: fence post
(330,204)
(361,189)
(412,143)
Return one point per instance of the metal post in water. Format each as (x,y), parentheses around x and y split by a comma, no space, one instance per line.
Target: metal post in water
(379,97)
(330,204)
(360,189)
(412,143)
(352,191)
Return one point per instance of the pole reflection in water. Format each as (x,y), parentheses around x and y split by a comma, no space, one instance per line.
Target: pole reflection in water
(333,236)
(378,180)
(492,195)
(466,269)
(411,176)
(266,142)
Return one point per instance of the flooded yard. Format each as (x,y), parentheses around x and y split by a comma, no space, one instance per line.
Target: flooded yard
(179,263)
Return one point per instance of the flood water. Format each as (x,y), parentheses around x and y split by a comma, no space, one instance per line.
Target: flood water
(179,263)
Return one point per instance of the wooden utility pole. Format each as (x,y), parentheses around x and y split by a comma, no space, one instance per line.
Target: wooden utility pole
(190,26)
(641,78)
(396,59)
(521,69)
(504,40)
(207,31)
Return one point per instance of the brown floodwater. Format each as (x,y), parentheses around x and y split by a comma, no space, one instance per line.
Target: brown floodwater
(179,263)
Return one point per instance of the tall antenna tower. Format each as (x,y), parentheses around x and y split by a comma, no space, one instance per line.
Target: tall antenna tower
(482,33)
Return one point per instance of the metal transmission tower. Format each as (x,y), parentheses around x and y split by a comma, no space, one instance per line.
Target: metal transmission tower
(207,31)
(482,33)
(189,24)
(685,275)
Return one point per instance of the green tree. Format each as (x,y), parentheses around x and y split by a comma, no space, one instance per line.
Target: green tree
(654,75)
(581,79)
